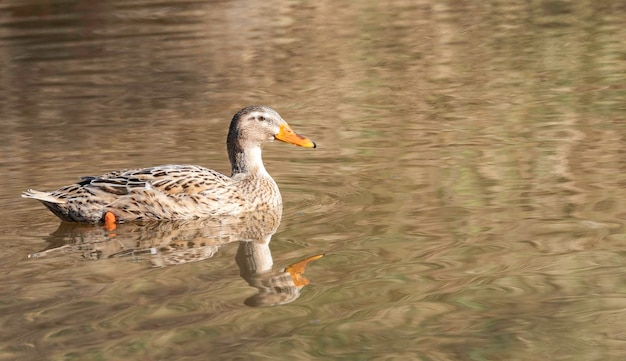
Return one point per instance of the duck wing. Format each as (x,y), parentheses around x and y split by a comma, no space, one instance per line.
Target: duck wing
(163,192)
(169,179)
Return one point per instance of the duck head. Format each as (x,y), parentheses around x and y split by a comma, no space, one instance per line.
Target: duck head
(253,126)
(258,124)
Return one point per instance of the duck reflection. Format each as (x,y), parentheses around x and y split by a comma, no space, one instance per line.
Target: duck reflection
(275,288)
(178,242)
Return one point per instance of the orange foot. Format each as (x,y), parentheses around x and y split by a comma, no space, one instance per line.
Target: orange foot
(297,269)
(110,221)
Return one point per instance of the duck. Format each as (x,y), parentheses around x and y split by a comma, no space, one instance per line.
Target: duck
(183,191)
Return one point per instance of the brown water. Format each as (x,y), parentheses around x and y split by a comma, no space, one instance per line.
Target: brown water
(469,189)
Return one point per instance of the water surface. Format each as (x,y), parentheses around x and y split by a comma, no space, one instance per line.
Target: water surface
(468,190)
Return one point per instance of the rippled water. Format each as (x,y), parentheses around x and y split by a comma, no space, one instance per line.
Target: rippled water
(468,191)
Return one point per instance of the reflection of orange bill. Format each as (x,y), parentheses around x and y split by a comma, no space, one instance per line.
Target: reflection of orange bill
(297,269)
(287,135)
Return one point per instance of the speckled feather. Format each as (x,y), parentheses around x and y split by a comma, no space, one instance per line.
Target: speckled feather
(171,192)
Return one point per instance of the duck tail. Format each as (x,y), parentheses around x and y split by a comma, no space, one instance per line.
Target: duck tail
(42,196)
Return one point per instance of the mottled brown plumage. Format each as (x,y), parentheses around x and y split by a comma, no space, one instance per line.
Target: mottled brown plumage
(171,192)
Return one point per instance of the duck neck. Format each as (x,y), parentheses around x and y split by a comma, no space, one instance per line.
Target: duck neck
(245,161)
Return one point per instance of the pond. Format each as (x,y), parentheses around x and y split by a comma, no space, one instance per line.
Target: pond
(466,200)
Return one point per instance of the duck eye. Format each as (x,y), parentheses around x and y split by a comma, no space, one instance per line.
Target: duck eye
(261,118)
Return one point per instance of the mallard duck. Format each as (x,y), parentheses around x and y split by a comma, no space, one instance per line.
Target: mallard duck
(171,192)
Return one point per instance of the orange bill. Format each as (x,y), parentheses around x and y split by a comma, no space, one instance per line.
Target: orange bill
(289,136)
